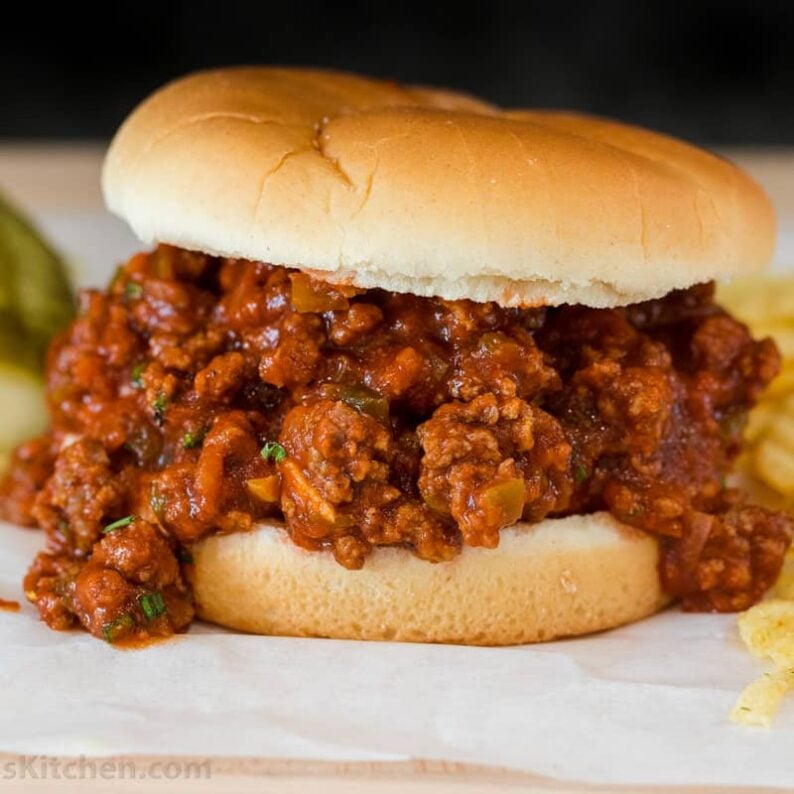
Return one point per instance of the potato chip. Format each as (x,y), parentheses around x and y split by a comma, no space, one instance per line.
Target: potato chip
(767,630)
(760,419)
(784,587)
(767,305)
(773,461)
(782,385)
(759,299)
(760,701)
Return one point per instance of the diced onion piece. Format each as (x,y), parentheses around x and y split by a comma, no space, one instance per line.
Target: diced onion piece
(309,295)
(307,496)
(266,489)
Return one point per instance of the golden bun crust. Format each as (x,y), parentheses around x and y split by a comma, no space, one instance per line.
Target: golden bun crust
(429,191)
(558,578)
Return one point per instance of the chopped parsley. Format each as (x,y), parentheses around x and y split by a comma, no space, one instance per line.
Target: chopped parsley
(117,628)
(580,474)
(137,375)
(193,439)
(122,522)
(133,291)
(158,407)
(152,605)
(273,451)
(185,557)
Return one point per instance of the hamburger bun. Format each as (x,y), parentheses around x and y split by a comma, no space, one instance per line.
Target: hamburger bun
(434,193)
(430,192)
(558,578)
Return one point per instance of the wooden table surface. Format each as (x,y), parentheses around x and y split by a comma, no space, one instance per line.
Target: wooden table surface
(49,177)
(138,773)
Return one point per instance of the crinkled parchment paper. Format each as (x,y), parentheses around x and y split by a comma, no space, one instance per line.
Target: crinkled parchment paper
(645,704)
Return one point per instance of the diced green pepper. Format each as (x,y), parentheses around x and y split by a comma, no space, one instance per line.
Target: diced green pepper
(506,501)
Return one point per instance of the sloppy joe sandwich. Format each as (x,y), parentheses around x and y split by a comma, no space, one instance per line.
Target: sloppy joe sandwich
(401,365)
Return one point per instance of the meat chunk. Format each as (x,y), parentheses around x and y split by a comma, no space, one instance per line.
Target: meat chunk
(487,463)
(195,496)
(510,366)
(349,327)
(131,587)
(727,561)
(82,491)
(222,378)
(49,586)
(140,554)
(336,489)
(295,357)
(31,467)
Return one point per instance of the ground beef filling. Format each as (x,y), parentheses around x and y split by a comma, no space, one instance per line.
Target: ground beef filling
(201,395)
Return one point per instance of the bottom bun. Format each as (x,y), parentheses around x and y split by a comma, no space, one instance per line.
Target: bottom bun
(558,578)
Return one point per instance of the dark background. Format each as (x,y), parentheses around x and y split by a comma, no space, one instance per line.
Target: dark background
(713,72)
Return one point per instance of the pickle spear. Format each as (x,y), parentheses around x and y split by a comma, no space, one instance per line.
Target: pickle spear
(34,286)
(35,303)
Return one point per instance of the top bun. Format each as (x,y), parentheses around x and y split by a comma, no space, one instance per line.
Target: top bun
(430,192)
